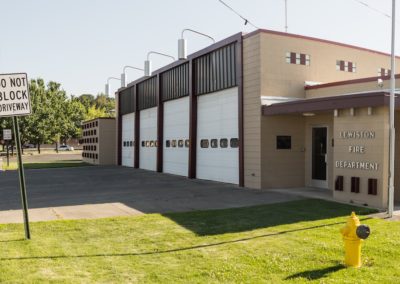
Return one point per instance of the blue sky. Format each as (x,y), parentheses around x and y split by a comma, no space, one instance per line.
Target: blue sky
(81,43)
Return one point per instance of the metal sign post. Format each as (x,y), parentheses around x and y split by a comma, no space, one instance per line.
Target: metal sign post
(14,102)
(7,136)
(22,178)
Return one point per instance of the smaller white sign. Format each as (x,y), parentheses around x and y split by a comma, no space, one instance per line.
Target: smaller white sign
(7,134)
(14,95)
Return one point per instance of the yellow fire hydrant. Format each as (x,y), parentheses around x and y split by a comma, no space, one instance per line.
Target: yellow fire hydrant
(353,235)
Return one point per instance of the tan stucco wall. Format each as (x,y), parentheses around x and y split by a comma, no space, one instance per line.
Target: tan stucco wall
(376,151)
(252,112)
(397,158)
(107,145)
(266,73)
(282,79)
(116,122)
(348,89)
(285,167)
(319,120)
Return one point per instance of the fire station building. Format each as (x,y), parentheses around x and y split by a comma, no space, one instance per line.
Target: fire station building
(266,110)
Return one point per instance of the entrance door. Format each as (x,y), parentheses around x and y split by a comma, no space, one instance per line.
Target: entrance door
(319,157)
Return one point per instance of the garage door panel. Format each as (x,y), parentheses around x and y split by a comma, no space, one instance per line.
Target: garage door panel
(176,127)
(148,139)
(218,119)
(127,141)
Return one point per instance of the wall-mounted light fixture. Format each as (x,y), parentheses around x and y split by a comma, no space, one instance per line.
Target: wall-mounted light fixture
(147,63)
(123,75)
(108,84)
(182,43)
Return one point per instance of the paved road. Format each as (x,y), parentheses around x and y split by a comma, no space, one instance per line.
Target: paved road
(141,190)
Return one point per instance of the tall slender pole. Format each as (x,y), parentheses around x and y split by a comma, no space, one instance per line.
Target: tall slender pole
(391,117)
(286,16)
(22,179)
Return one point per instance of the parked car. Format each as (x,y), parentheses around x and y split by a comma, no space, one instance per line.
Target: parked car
(65,148)
(28,145)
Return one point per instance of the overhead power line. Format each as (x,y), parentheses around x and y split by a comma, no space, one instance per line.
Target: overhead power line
(373,9)
(246,21)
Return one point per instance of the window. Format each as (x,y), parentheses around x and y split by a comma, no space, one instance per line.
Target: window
(151,143)
(223,143)
(383,72)
(97,123)
(180,143)
(155,143)
(143,143)
(339,183)
(147,143)
(124,143)
(214,143)
(130,143)
(234,143)
(283,142)
(187,143)
(167,143)
(355,184)
(173,143)
(372,186)
(97,140)
(204,143)
(346,66)
(297,58)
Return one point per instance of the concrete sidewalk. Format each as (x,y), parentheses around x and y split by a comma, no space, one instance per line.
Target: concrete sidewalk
(109,191)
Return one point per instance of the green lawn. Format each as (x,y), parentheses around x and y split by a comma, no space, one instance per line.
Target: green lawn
(55,164)
(290,242)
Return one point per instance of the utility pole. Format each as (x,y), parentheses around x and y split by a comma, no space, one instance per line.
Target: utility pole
(391,117)
(286,27)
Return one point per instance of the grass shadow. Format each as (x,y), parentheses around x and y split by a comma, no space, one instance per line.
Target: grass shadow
(215,222)
(11,241)
(316,273)
(188,248)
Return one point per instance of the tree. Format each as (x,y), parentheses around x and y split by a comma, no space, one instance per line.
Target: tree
(37,127)
(87,100)
(94,112)
(107,103)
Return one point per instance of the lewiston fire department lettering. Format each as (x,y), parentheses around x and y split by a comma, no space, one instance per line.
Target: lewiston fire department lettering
(357,165)
(352,135)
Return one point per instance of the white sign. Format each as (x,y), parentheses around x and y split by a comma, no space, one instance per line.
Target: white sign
(14,95)
(7,134)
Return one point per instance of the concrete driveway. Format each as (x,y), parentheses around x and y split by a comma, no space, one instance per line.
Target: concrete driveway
(106,191)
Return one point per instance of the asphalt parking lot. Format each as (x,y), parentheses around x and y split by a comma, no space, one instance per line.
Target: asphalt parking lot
(144,191)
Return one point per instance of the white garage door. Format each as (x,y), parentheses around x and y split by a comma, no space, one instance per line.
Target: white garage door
(128,137)
(217,136)
(148,139)
(176,137)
